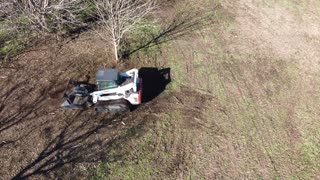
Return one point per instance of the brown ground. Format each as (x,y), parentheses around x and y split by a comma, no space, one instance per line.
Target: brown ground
(40,140)
(253,114)
(36,135)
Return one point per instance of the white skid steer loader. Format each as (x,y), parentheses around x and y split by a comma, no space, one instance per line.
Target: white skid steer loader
(113,92)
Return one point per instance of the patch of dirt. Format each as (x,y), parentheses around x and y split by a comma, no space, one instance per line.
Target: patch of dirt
(38,139)
(32,126)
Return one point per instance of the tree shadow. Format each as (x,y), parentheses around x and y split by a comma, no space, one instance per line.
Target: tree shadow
(154,82)
(75,136)
(86,137)
(22,101)
(184,23)
(26,108)
(73,145)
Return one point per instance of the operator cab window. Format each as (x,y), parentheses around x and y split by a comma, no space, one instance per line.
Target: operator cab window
(103,85)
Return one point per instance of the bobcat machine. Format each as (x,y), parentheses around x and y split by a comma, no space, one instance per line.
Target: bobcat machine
(113,92)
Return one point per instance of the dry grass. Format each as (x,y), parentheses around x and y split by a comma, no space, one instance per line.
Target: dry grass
(262,66)
(258,62)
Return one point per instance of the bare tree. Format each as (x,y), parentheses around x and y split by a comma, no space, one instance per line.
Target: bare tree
(49,15)
(117,17)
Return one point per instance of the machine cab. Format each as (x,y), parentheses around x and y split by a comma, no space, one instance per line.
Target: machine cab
(109,79)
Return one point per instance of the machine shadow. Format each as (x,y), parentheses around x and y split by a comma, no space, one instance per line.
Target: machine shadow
(154,82)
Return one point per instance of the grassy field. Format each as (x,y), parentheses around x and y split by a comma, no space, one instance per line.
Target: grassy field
(258,117)
(243,102)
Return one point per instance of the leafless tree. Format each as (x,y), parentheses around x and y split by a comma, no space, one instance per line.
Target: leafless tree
(48,15)
(117,17)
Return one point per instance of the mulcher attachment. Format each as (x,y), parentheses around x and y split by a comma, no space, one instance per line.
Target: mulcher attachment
(79,97)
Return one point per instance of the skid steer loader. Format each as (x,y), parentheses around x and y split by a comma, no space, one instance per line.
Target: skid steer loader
(113,92)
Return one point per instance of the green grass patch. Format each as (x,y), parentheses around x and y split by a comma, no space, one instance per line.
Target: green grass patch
(12,42)
(135,161)
(143,41)
(149,153)
(12,47)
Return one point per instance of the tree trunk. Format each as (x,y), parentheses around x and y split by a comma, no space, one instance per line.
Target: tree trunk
(115,44)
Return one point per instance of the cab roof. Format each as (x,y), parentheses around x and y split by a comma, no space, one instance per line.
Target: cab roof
(107,75)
